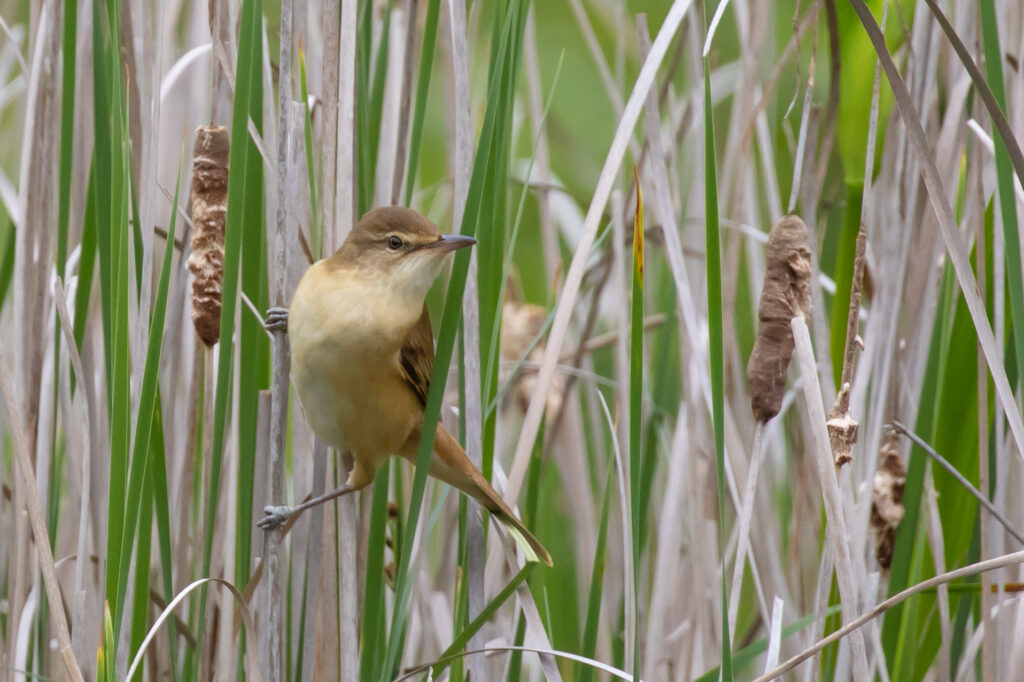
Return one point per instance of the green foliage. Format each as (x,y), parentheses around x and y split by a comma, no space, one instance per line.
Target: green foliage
(422,91)
(449,324)
(589,645)
(244,268)
(856,79)
(152,417)
(112,161)
(712,243)
(637,505)
(1004,177)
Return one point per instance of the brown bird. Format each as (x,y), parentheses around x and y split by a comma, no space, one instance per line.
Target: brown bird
(362,354)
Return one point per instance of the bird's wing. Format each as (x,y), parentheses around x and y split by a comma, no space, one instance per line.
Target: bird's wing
(416,359)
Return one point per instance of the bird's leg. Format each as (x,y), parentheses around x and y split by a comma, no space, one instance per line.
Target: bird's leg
(276,516)
(276,319)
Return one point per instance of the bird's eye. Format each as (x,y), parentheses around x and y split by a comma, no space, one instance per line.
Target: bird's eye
(394,243)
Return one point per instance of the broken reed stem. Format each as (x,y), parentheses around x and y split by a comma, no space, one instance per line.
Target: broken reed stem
(842,429)
(743,541)
(853,317)
(41,537)
(853,626)
(837,537)
(209,210)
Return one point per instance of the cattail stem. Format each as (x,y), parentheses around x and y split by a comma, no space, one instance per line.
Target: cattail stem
(743,541)
(837,537)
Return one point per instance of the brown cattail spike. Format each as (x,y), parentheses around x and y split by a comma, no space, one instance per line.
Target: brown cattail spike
(786,294)
(209,208)
(887,500)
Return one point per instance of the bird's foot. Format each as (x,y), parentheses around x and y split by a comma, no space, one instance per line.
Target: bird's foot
(276,319)
(274,517)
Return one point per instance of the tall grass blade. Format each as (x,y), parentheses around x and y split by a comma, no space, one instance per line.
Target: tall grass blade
(140,589)
(749,653)
(67,121)
(422,90)
(374,626)
(112,148)
(7,259)
(370,99)
(1004,177)
(905,569)
(139,479)
(463,637)
(244,211)
(107,662)
(162,509)
(589,648)
(316,227)
(715,335)
(87,256)
(67,124)
(442,360)
(636,394)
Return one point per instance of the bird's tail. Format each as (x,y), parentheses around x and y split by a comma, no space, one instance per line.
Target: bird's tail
(522,535)
(451,464)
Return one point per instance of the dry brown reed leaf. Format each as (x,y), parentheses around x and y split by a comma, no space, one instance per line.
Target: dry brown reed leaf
(786,294)
(887,500)
(209,210)
(520,325)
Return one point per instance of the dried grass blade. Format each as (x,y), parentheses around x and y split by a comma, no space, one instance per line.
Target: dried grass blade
(22,458)
(947,222)
(713,248)
(961,479)
(882,607)
(588,233)
(836,530)
(251,659)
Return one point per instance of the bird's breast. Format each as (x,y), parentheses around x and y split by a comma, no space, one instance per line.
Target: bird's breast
(346,333)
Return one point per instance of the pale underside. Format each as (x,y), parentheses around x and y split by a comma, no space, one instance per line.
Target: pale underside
(347,368)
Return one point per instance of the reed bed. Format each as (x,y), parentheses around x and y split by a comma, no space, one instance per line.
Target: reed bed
(169,170)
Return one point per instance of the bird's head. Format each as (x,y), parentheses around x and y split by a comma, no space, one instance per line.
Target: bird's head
(399,247)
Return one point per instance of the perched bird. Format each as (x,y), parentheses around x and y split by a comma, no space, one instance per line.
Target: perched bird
(362,354)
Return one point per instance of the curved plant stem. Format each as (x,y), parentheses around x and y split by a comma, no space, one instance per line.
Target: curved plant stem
(882,607)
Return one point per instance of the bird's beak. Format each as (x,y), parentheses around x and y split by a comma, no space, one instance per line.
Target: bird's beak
(451,242)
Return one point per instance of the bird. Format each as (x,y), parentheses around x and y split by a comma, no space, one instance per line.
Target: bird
(362,353)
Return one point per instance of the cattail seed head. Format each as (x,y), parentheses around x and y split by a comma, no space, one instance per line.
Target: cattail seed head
(786,294)
(209,209)
(887,500)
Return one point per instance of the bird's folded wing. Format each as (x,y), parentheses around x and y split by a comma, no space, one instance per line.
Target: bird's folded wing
(416,359)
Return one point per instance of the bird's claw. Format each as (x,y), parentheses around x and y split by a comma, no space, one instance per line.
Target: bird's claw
(274,517)
(276,319)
